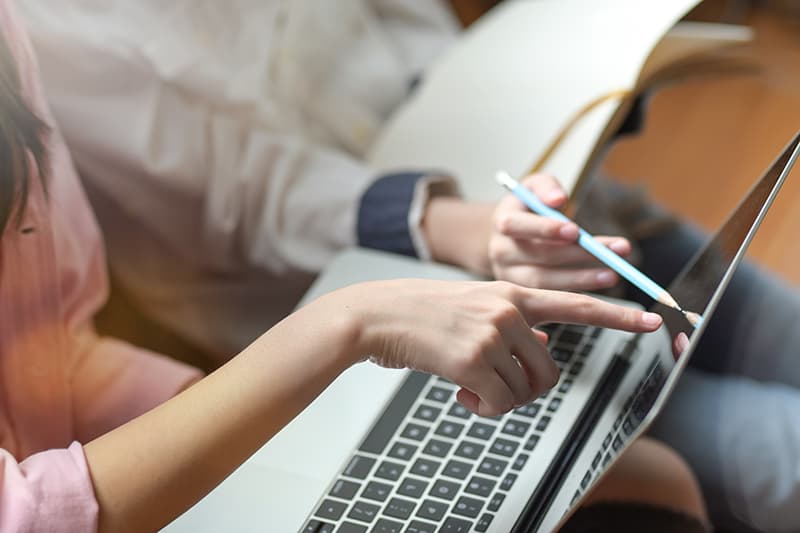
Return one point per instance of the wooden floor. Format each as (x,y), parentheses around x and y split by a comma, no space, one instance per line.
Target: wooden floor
(707,138)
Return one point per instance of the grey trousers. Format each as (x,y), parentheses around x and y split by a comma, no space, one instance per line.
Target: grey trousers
(735,415)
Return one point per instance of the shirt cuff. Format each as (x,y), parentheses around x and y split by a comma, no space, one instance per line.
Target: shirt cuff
(391,211)
(49,491)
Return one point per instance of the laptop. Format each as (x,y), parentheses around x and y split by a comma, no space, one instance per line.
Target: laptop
(392,451)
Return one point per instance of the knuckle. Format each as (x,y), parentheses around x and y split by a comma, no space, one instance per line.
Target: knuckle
(505,315)
(505,289)
(503,222)
(498,252)
(583,306)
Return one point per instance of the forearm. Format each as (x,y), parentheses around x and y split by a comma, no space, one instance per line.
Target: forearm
(153,468)
(458,232)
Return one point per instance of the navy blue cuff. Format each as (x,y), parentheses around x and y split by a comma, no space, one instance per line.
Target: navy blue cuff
(383,213)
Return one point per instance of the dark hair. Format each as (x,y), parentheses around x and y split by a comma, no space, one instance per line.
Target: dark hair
(21,133)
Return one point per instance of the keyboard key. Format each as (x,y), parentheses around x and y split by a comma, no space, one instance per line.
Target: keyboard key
(571,335)
(480,486)
(444,489)
(565,386)
(561,355)
(384,525)
(530,410)
(412,487)
(376,491)
(596,460)
(617,445)
(493,467)
(466,506)
(469,450)
(508,482)
(350,527)
(576,368)
(344,489)
(484,522)
(627,426)
(457,469)
(543,423)
(586,350)
(459,411)
(516,428)
(520,461)
(607,459)
(331,509)
(607,440)
(416,526)
(402,451)
(449,429)
(425,467)
(427,412)
(496,501)
(479,430)
(554,404)
(363,512)
(415,432)
(504,447)
(437,448)
(315,526)
(532,441)
(359,467)
(439,394)
(587,478)
(399,508)
(389,470)
(432,510)
(596,333)
(455,525)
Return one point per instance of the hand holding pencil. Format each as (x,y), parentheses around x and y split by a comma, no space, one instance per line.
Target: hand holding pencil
(541,252)
(593,245)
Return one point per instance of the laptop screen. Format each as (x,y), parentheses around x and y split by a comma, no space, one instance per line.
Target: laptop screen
(704,276)
(698,287)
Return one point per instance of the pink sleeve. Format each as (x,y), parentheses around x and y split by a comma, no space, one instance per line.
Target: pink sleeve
(111,381)
(49,491)
(115,382)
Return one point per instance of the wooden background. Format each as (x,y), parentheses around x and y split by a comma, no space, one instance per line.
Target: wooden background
(707,138)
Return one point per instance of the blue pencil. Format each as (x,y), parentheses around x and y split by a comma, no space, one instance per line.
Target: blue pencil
(590,244)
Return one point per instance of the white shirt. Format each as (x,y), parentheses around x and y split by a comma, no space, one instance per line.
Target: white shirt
(221,141)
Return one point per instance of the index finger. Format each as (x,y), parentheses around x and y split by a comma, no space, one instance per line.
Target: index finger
(538,305)
(547,188)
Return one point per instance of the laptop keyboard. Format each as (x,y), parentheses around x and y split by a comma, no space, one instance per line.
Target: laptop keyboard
(429,465)
(636,407)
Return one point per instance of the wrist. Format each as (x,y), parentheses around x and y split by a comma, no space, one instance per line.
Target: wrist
(348,326)
(458,232)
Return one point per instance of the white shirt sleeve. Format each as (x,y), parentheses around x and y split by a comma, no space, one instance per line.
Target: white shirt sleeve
(198,119)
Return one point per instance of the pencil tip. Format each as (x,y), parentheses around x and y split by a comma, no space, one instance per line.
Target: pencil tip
(695,319)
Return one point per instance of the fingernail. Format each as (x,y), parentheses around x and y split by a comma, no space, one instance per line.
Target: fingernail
(570,231)
(606,277)
(651,319)
(555,196)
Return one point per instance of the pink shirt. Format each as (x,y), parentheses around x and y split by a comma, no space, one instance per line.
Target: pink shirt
(60,383)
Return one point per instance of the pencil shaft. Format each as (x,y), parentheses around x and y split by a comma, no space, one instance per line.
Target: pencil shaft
(591,245)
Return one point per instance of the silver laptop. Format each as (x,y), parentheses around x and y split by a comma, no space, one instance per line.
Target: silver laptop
(392,451)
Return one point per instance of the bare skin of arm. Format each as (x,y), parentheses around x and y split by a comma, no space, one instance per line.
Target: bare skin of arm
(150,470)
